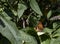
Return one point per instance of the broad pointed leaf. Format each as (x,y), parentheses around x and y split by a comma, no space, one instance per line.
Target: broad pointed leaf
(49,14)
(11,32)
(34,5)
(21,9)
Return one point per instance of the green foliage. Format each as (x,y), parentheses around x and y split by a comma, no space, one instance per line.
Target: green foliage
(49,14)
(19,18)
(21,9)
(35,7)
(11,32)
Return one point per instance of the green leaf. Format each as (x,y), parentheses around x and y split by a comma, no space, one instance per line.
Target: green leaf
(4,14)
(1,9)
(15,12)
(35,7)
(48,30)
(27,38)
(49,14)
(31,31)
(21,9)
(55,41)
(45,39)
(3,0)
(11,32)
(56,25)
(56,33)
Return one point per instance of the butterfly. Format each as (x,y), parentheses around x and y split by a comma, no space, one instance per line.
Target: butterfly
(39,27)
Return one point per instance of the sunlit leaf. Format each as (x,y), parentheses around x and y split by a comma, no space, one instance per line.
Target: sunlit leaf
(15,12)
(11,32)
(1,9)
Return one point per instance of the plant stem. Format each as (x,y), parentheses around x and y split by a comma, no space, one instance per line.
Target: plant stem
(40,39)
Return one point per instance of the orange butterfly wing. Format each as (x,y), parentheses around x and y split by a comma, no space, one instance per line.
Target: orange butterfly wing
(39,27)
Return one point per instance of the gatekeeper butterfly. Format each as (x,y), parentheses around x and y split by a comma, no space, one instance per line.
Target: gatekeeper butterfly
(39,27)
